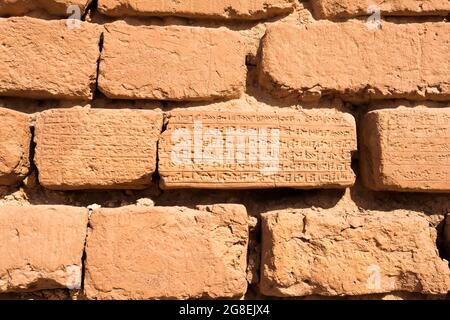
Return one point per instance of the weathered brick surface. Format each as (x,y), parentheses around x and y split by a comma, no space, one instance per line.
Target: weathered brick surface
(222,9)
(41,247)
(15,139)
(44,59)
(171,63)
(301,149)
(55,7)
(83,148)
(330,9)
(398,61)
(331,252)
(406,149)
(167,252)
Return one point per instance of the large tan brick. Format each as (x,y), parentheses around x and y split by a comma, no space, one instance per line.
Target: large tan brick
(330,9)
(221,9)
(171,63)
(41,247)
(300,149)
(167,252)
(406,149)
(55,7)
(334,252)
(83,148)
(46,59)
(15,139)
(349,59)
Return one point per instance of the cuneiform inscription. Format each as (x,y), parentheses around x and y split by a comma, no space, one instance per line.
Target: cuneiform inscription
(413,151)
(301,149)
(85,148)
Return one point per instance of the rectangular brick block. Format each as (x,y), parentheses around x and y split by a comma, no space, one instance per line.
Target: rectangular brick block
(83,148)
(358,63)
(171,63)
(406,149)
(221,9)
(15,139)
(333,252)
(167,253)
(300,149)
(331,9)
(45,59)
(54,7)
(42,247)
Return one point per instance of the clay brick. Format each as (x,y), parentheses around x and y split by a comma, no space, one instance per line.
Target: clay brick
(220,9)
(331,9)
(406,149)
(171,63)
(333,252)
(398,61)
(83,148)
(15,139)
(300,149)
(42,247)
(45,59)
(167,252)
(54,7)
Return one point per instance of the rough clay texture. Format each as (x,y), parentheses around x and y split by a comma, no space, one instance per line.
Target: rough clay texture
(221,9)
(84,148)
(181,63)
(42,247)
(46,60)
(163,253)
(396,61)
(154,112)
(406,149)
(330,252)
(331,9)
(248,150)
(54,7)
(15,139)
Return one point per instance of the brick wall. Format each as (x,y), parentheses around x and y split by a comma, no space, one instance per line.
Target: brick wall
(224,149)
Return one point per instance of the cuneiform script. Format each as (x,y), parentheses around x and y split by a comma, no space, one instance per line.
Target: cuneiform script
(302,149)
(415,148)
(85,148)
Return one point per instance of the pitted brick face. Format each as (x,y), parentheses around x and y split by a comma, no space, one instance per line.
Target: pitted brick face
(211,9)
(15,139)
(46,60)
(83,148)
(356,62)
(54,7)
(167,253)
(171,63)
(337,9)
(42,247)
(332,253)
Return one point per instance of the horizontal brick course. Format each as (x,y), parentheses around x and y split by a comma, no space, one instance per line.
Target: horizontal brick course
(41,247)
(167,252)
(331,9)
(406,149)
(226,150)
(331,252)
(46,60)
(171,63)
(54,7)
(15,139)
(212,9)
(83,148)
(398,61)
